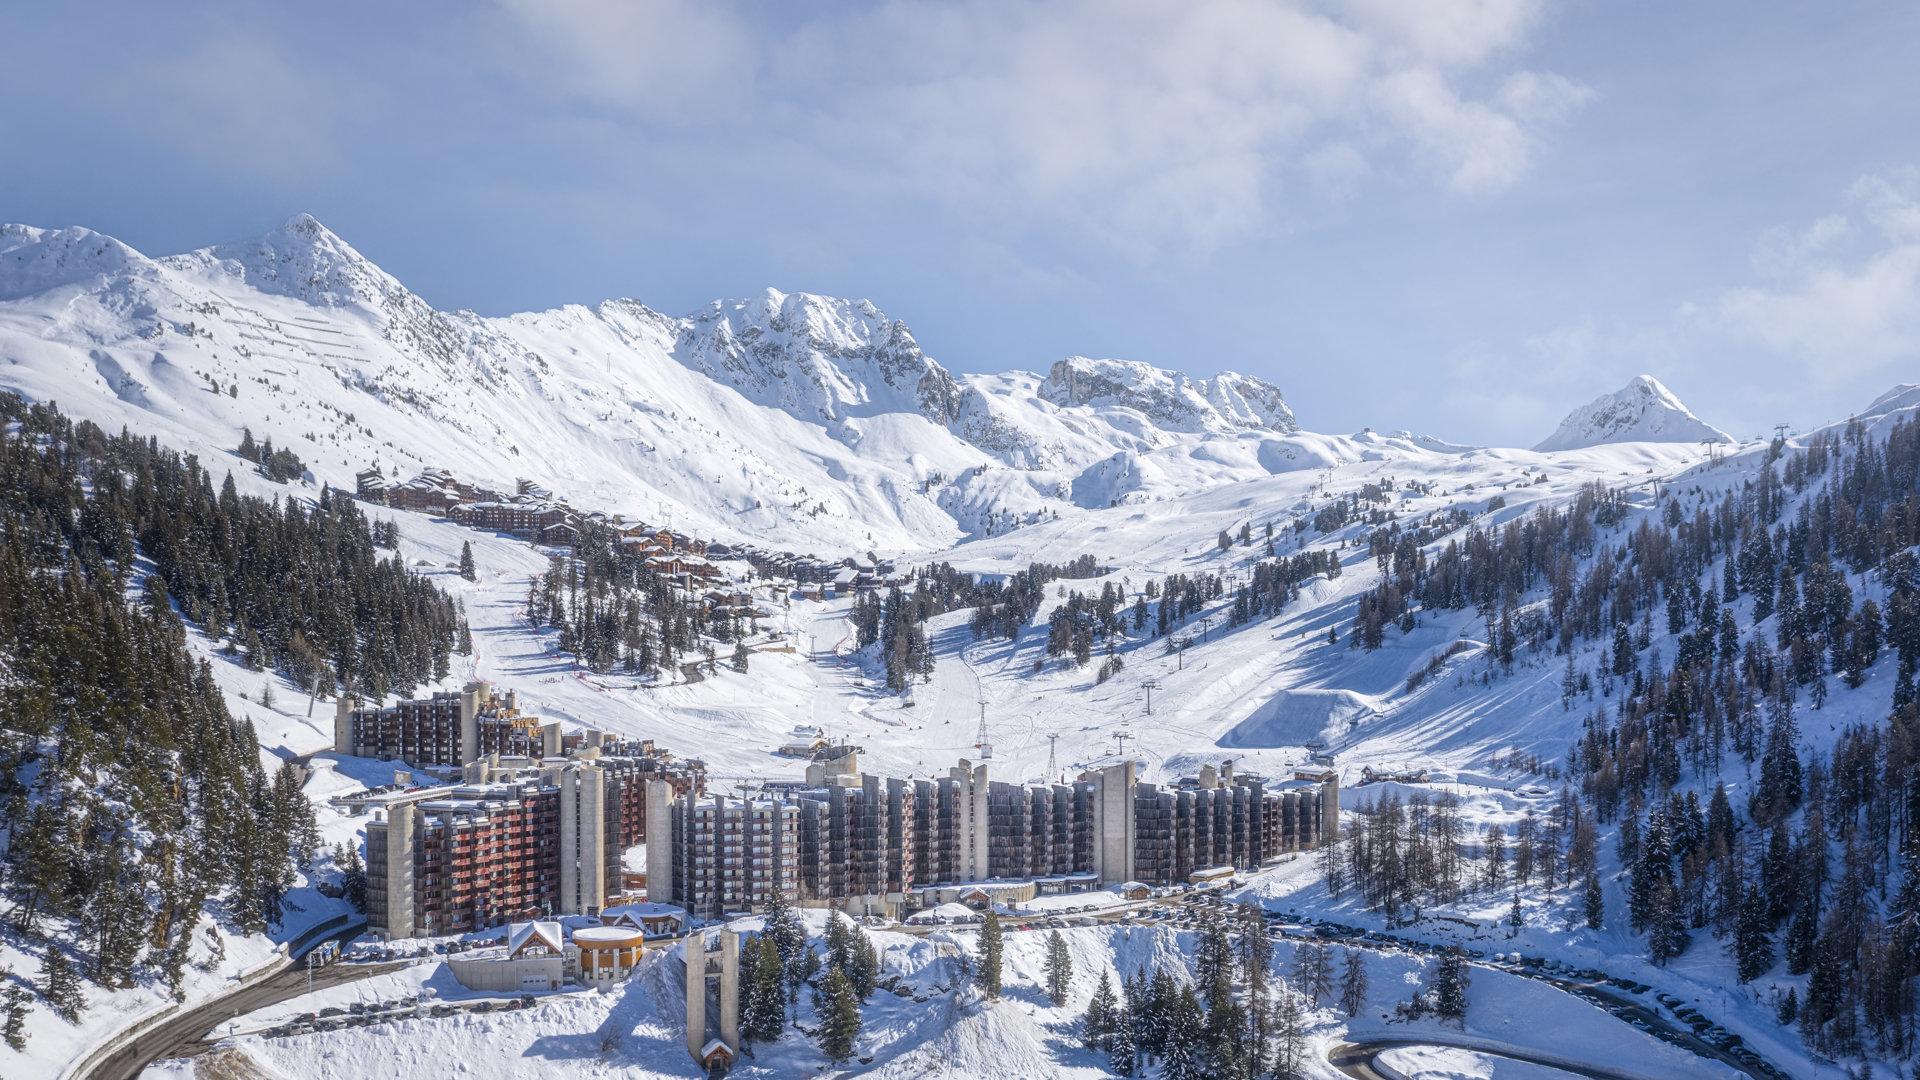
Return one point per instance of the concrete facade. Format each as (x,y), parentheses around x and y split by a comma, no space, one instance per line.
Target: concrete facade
(712,957)
(583,839)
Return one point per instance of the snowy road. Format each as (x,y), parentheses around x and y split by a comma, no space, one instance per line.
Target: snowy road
(1358,1059)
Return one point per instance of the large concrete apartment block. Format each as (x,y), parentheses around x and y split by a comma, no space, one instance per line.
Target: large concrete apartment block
(1114,828)
(583,862)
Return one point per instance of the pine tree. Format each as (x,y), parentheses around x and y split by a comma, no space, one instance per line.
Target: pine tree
(1753,936)
(1353,984)
(1667,935)
(865,969)
(1789,1008)
(990,950)
(1450,986)
(1595,902)
(1256,952)
(1802,931)
(466,561)
(739,661)
(13,1001)
(764,1012)
(1313,972)
(839,1018)
(1122,1050)
(1213,962)
(1183,1056)
(60,987)
(1516,915)
(1059,969)
(1097,1029)
(1289,1033)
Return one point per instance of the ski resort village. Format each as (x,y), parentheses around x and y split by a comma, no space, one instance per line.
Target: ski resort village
(420,659)
(1345,755)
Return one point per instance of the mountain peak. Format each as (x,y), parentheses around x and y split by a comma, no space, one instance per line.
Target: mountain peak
(33,259)
(1644,410)
(1226,402)
(300,258)
(817,357)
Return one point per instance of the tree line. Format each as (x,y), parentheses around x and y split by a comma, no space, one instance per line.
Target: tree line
(138,816)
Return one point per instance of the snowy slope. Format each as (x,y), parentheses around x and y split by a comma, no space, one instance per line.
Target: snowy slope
(1644,410)
(634,1029)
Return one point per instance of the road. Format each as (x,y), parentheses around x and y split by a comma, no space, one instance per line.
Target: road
(1356,1059)
(1622,1006)
(182,1033)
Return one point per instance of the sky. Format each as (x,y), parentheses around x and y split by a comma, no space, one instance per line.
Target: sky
(1459,217)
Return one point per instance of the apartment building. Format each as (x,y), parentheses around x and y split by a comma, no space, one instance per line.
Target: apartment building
(865,844)
(517,838)
(456,729)
(721,855)
(450,860)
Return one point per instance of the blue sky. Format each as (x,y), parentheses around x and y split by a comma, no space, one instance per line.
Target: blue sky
(1462,218)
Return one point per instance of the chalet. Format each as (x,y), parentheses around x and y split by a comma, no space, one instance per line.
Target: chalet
(655,921)
(560,534)
(370,485)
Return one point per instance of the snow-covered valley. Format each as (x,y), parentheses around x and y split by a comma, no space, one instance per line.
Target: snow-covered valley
(818,425)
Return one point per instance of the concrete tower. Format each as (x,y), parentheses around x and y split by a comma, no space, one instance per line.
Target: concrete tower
(583,835)
(712,957)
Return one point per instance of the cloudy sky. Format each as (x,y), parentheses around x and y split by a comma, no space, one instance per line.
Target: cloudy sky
(1460,217)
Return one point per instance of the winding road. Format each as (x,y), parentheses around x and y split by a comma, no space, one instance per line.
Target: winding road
(187,1032)
(1357,1059)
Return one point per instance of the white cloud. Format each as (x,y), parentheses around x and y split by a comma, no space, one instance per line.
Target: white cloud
(667,60)
(1842,309)
(1152,125)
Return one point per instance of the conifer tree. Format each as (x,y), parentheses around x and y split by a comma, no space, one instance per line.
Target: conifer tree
(864,963)
(1213,962)
(1353,984)
(13,1011)
(839,1018)
(60,987)
(1450,986)
(990,949)
(1256,952)
(1753,936)
(1595,903)
(1097,1029)
(1183,1057)
(1289,1032)
(1313,971)
(765,1010)
(1059,965)
(466,560)
(1122,1051)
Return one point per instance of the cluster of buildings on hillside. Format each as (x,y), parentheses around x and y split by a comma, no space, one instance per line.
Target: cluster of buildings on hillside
(534,514)
(530,822)
(533,821)
(885,846)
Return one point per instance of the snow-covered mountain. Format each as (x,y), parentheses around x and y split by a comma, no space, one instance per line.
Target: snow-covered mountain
(1228,402)
(811,422)
(1644,410)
